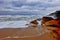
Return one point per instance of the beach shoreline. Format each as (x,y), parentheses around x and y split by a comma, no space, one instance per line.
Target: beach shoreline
(24,34)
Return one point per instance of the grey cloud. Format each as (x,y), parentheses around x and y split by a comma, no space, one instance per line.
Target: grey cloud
(41,7)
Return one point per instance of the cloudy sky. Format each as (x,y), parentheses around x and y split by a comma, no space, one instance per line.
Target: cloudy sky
(42,7)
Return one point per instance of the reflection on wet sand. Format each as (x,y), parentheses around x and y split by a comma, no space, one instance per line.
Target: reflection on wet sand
(29,33)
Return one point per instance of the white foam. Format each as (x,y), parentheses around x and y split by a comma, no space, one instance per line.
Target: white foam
(13,24)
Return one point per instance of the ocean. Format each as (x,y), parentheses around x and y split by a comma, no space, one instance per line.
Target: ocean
(16,21)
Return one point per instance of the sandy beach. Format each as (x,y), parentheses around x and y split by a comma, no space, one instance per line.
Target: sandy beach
(24,34)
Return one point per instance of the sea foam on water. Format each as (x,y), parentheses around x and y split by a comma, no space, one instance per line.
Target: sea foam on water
(16,21)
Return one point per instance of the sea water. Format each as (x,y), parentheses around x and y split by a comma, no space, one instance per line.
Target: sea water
(16,21)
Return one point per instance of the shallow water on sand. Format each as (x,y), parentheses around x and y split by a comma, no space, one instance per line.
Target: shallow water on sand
(21,32)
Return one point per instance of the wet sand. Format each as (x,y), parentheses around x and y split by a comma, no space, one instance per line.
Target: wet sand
(24,34)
